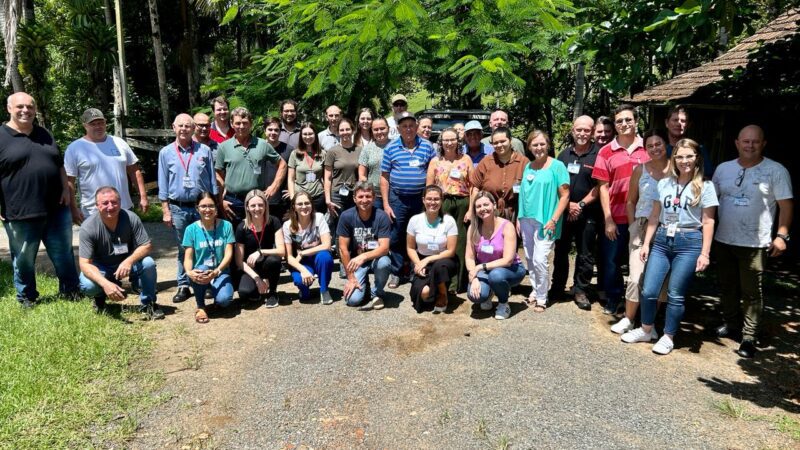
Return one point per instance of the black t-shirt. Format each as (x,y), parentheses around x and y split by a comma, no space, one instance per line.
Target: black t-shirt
(582,182)
(248,238)
(30,173)
(284,150)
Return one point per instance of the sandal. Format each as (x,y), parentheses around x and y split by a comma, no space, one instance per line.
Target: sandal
(539,308)
(531,300)
(200,316)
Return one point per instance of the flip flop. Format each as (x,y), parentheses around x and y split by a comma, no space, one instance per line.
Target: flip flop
(539,308)
(200,316)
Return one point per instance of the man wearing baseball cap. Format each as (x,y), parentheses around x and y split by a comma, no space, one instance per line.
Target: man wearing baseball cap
(97,160)
(477,150)
(399,106)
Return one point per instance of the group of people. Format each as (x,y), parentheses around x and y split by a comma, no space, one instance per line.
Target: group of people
(376,191)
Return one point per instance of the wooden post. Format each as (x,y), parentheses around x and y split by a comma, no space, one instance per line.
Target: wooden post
(120,119)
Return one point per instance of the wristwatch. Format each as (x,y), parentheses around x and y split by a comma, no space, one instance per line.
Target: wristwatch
(785,237)
(582,204)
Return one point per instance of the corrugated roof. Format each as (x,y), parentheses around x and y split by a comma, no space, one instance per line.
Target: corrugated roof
(686,84)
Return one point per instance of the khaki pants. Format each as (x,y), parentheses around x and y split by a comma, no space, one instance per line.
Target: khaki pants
(741,273)
(633,288)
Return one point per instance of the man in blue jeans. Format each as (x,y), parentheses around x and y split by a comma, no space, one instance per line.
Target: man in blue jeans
(363,247)
(34,201)
(185,169)
(113,246)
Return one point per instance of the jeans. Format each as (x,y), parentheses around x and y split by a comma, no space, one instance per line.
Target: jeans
(613,254)
(741,273)
(537,250)
(319,264)
(143,272)
(221,288)
(182,217)
(499,280)
(237,206)
(381,268)
(24,237)
(584,232)
(678,257)
(404,207)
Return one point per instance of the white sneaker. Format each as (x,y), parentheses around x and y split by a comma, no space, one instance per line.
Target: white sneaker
(486,305)
(623,326)
(663,346)
(503,311)
(326,298)
(439,309)
(639,335)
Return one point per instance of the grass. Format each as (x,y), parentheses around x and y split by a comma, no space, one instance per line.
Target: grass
(153,214)
(67,377)
(737,410)
(732,408)
(790,426)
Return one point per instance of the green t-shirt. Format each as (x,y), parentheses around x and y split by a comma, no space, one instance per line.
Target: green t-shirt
(538,193)
(344,166)
(307,173)
(245,168)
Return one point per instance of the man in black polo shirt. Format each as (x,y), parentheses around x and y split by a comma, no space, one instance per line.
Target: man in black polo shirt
(34,201)
(582,215)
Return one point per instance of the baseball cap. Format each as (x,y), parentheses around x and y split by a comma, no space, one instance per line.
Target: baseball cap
(399,98)
(406,115)
(92,114)
(473,125)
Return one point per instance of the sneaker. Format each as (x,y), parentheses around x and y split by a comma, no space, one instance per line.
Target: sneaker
(73,296)
(747,349)
(582,301)
(639,335)
(375,303)
(152,311)
(271,301)
(502,312)
(439,309)
(99,304)
(611,309)
(487,305)
(663,346)
(342,272)
(623,326)
(325,298)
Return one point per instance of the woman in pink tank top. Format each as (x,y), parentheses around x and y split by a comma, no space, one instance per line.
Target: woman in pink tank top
(491,258)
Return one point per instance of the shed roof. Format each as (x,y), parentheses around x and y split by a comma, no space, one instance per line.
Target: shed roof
(686,84)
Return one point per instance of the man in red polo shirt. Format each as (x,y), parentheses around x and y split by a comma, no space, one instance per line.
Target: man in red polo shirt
(612,170)
(221,129)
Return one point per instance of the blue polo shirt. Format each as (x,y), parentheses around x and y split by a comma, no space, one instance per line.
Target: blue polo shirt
(407,169)
(173,162)
(486,149)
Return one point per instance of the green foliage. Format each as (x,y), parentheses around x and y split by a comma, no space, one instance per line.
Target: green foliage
(64,369)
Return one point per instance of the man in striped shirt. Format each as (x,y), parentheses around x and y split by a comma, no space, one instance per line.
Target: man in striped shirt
(403,172)
(612,170)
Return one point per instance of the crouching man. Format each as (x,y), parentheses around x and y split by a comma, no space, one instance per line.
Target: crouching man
(113,246)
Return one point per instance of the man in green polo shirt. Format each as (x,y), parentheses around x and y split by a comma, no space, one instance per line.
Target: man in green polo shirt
(241,166)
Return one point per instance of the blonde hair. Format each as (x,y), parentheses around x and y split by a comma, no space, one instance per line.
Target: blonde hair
(477,222)
(697,176)
(248,216)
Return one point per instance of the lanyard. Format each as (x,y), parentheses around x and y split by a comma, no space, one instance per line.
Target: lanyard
(258,238)
(677,200)
(309,160)
(191,153)
(211,245)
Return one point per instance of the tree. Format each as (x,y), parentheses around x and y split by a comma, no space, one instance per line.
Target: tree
(9,18)
(158,52)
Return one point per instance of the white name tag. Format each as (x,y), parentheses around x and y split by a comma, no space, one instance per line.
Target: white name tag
(741,201)
(188,183)
(372,245)
(488,249)
(311,177)
(530,177)
(574,168)
(120,249)
(515,188)
(343,191)
(257,170)
(209,262)
(433,247)
(414,162)
(672,229)
(455,173)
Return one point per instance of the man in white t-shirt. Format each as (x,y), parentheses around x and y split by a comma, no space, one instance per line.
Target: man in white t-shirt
(98,160)
(399,106)
(749,190)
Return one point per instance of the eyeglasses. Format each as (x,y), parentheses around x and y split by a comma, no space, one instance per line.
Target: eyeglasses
(622,120)
(203,125)
(206,207)
(685,157)
(740,178)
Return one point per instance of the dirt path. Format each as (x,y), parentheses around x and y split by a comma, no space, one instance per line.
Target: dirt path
(314,376)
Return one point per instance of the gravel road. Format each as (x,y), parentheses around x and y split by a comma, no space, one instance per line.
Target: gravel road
(313,376)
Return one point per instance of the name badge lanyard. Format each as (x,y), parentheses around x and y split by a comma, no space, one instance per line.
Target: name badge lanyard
(676,202)
(188,162)
(211,245)
(256,235)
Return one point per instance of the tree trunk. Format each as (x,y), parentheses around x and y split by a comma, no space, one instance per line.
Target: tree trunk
(9,12)
(158,52)
(190,55)
(580,91)
(119,123)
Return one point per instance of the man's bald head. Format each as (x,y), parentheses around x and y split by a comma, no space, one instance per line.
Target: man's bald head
(22,111)
(750,144)
(582,128)
(18,97)
(183,126)
(183,118)
(752,131)
(202,127)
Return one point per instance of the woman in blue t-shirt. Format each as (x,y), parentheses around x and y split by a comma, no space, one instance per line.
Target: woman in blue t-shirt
(209,251)
(680,228)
